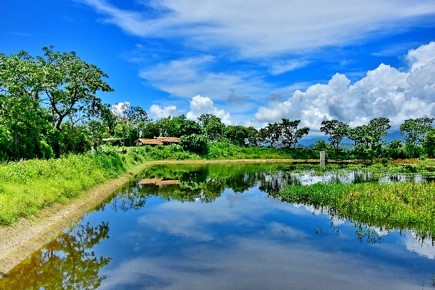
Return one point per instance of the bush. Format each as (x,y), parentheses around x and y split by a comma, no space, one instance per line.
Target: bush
(196,143)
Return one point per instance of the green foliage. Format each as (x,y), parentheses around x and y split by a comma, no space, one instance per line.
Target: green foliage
(271,133)
(225,150)
(237,135)
(195,143)
(429,143)
(397,205)
(336,130)
(39,94)
(28,186)
(290,134)
(211,126)
(413,130)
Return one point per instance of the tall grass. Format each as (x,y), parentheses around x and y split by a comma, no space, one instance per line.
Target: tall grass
(225,150)
(28,186)
(405,205)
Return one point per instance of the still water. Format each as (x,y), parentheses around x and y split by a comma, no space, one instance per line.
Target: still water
(225,227)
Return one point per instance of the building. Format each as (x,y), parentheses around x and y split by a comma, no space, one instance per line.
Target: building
(158,141)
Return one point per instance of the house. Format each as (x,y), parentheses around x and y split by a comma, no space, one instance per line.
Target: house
(158,141)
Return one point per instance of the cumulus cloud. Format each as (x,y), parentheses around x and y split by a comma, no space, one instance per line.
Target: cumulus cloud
(204,105)
(384,91)
(303,24)
(157,112)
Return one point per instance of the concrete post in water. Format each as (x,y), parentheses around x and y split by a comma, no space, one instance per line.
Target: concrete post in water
(322,159)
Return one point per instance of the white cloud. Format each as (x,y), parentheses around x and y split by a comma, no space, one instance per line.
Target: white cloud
(192,76)
(384,91)
(266,28)
(421,56)
(424,248)
(120,109)
(287,66)
(157,112)
(204,105)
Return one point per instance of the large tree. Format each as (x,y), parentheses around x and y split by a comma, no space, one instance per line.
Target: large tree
(377,129)
(237,135)
(57,89)
(70,86)
(212,126)
(413,130)
(336,130)
(290,133)
(271,133)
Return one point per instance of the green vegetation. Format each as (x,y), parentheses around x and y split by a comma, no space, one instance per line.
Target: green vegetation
(388,205)
(29,186)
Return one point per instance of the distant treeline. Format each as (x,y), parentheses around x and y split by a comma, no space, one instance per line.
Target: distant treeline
(49,107)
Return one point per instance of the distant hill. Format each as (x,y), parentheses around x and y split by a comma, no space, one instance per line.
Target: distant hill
(346,143)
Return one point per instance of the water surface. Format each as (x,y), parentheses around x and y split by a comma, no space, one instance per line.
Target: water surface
(224,227)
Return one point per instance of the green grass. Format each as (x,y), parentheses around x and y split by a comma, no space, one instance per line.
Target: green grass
(405,205)
(29,186)
(224,150)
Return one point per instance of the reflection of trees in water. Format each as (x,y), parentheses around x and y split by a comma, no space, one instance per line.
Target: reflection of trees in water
(202,182)
(67,262)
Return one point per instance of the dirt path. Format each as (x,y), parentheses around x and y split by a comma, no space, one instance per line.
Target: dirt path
(28,235)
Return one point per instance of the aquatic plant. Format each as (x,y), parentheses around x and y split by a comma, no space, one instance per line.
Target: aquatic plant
(402,205)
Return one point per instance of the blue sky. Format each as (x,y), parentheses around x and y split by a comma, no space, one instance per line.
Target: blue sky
(248,62)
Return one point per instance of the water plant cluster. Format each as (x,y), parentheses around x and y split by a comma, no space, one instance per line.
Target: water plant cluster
(402,205)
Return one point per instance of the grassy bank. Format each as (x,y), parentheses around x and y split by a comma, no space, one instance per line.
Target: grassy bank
(29,186)
(392,205)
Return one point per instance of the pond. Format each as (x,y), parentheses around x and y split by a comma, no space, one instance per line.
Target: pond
(224,226)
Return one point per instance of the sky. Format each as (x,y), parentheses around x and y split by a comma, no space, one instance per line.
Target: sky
(248,62)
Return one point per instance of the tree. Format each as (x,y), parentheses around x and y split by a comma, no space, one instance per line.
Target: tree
(429,143)
(290,134)
(377,129)
(253,136)
(24,128)
(177,126)
(70,86)
(271,133)
(136,115)
(211,126)
(336,130)
(413,130)
(37,92)
(195,143)
(236,135)
(150,130)
(109,119)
